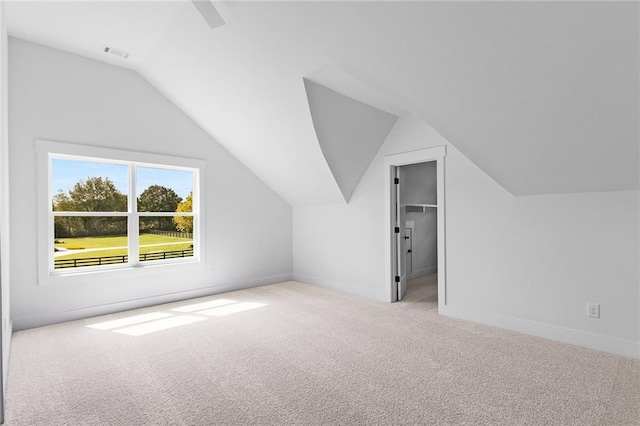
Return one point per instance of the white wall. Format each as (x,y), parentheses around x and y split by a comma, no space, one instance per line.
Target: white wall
(525,263)
(62,97)
(638,13)
(5,329)
(421,188)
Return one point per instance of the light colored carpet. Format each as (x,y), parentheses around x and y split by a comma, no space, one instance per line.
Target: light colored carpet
(298,354)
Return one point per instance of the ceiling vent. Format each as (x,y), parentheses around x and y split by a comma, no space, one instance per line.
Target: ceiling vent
(118,52)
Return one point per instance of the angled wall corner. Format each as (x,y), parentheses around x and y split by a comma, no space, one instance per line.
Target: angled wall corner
(349,132)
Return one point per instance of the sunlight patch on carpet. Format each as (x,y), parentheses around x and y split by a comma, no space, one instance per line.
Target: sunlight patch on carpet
(163,324)
(123,322)
(139,325)
(232,309)
(204,305)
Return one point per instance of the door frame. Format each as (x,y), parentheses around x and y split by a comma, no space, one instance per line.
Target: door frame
(391,161)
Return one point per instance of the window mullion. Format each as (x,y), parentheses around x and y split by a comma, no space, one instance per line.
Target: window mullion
(164,214)
(133,222)
(51,234)
(88,214)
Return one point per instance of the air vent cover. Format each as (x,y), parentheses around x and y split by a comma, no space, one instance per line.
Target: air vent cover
(118,52)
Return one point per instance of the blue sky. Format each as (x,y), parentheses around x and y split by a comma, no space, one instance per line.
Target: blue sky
(66,173)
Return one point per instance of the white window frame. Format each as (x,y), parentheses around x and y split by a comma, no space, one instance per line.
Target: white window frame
(47,150)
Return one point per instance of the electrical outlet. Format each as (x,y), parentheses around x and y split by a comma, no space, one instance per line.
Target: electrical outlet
(593,310)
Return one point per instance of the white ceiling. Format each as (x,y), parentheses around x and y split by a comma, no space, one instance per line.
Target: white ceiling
(542,96)
(85,27)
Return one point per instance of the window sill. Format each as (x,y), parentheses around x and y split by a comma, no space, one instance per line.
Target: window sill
(110,274)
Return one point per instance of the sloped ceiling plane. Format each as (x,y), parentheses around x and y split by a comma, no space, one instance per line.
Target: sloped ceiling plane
(542,96)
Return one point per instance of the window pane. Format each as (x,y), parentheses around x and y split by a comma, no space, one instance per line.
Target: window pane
(156,244)
(89,241)
(163,190)
(88,186)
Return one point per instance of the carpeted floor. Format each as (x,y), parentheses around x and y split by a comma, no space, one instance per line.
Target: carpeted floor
(298,354)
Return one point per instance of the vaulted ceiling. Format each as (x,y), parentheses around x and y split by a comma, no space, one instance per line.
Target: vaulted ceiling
(544,97)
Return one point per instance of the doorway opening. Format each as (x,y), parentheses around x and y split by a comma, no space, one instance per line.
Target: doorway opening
(415,226)
(416,210)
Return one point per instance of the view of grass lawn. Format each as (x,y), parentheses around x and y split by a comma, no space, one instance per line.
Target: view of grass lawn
(93,240)
(79,243)
(88,254)
(117,245)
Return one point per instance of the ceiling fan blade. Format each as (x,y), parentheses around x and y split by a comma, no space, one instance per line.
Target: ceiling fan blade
(209,13)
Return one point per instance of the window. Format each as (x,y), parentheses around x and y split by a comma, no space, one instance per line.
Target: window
(109,209)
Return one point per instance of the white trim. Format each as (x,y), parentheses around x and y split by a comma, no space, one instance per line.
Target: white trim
(47,318)
(111,273)
(89,214)
(133,239)
(422,272)
(7,335)
(436,154)
(119,214)
(598,342)
(165,214)
(116,156)
(341,286)
(46,150)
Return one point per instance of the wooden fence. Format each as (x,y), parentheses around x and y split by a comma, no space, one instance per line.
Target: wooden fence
(111,260)
(169,233)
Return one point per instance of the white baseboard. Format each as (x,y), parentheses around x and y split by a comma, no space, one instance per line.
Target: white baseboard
(423,272)
(337,285)
(48,318)
(6,348)
(598,342)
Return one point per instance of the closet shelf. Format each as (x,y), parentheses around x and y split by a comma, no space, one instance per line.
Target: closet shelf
(418,208)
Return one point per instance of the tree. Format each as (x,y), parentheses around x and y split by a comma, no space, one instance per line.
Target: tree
(185,223)
(97,195)
(92,195)
(157,198)
(62,202)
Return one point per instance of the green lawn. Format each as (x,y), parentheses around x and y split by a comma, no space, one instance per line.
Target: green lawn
(113,241)
(118,241)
